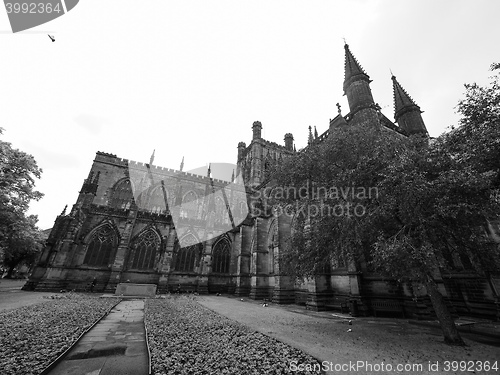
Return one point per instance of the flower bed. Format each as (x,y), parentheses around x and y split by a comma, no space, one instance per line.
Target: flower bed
(32,337)
(187,338)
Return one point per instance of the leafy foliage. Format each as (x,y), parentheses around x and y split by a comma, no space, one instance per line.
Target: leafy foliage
(337,217)
(476,142)
(437,208)
(23,244)
(19,236)
(433,203)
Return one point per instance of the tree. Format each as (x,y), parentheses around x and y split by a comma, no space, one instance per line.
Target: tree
(331,190)
(431,204)
(19,237)
(477,139)
(23,245)
(436,208)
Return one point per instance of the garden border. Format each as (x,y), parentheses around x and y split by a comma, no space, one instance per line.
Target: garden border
(61,356)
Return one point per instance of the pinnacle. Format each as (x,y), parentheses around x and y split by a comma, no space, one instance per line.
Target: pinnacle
(402,100)
(352,68)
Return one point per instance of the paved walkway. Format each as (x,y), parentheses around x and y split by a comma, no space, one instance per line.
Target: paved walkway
(116,345)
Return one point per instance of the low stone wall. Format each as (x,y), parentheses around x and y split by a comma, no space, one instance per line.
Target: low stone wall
(129,289)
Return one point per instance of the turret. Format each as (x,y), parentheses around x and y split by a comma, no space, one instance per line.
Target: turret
(406,112)
(257,130)
(289,141)
(89,189)
(241,149)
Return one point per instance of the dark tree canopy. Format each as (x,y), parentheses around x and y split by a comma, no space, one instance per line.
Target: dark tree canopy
(422,205)
(19,236)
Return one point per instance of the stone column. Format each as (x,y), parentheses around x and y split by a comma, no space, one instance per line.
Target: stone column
(121,252)
(259,279)
(283,292)
(357,305)
(319,292)
(166,261)
(205,268)
(242,248)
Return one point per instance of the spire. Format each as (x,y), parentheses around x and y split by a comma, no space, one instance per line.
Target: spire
(406,112)
(152,158)
(209,170)
(362,108)
(402,101)
(64,211)
(315,132)
(182,164)
(310,138)
(352,69)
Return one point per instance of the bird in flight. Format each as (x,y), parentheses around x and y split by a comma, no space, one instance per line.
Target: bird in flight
(51,38)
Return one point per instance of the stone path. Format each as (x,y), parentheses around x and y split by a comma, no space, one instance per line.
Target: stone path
(116,345)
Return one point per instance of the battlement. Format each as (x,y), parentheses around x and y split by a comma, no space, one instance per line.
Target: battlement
(156,169)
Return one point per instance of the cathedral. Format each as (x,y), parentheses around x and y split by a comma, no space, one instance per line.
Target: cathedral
(192,232)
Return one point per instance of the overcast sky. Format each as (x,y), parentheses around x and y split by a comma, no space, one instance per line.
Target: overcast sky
(188,78)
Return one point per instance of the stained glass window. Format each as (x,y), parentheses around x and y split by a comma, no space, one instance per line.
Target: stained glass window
(221,257)
(185,257)
(144,250)
(189,208)
(156,201)
(122,195)
(101,247)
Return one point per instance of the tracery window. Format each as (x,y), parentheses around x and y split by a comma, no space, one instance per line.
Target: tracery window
(185,257)
(122,195)
(144,250)
(189,208)
(221,257)
(156,201)
(101,247)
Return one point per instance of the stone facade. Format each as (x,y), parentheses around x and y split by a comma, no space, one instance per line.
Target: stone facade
(139,223)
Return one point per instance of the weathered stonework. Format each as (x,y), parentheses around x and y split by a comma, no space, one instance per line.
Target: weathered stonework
(121,229)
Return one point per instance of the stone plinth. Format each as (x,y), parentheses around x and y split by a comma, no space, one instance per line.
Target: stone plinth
(130,289)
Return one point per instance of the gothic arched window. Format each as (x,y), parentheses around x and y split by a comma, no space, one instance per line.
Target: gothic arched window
(122,195)
(185,258)
(190,205)
(157,201)
(144,250)
(272,243)
(221,257)
(101,247)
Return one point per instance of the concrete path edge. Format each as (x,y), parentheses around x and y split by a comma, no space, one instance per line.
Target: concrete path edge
(61,356)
